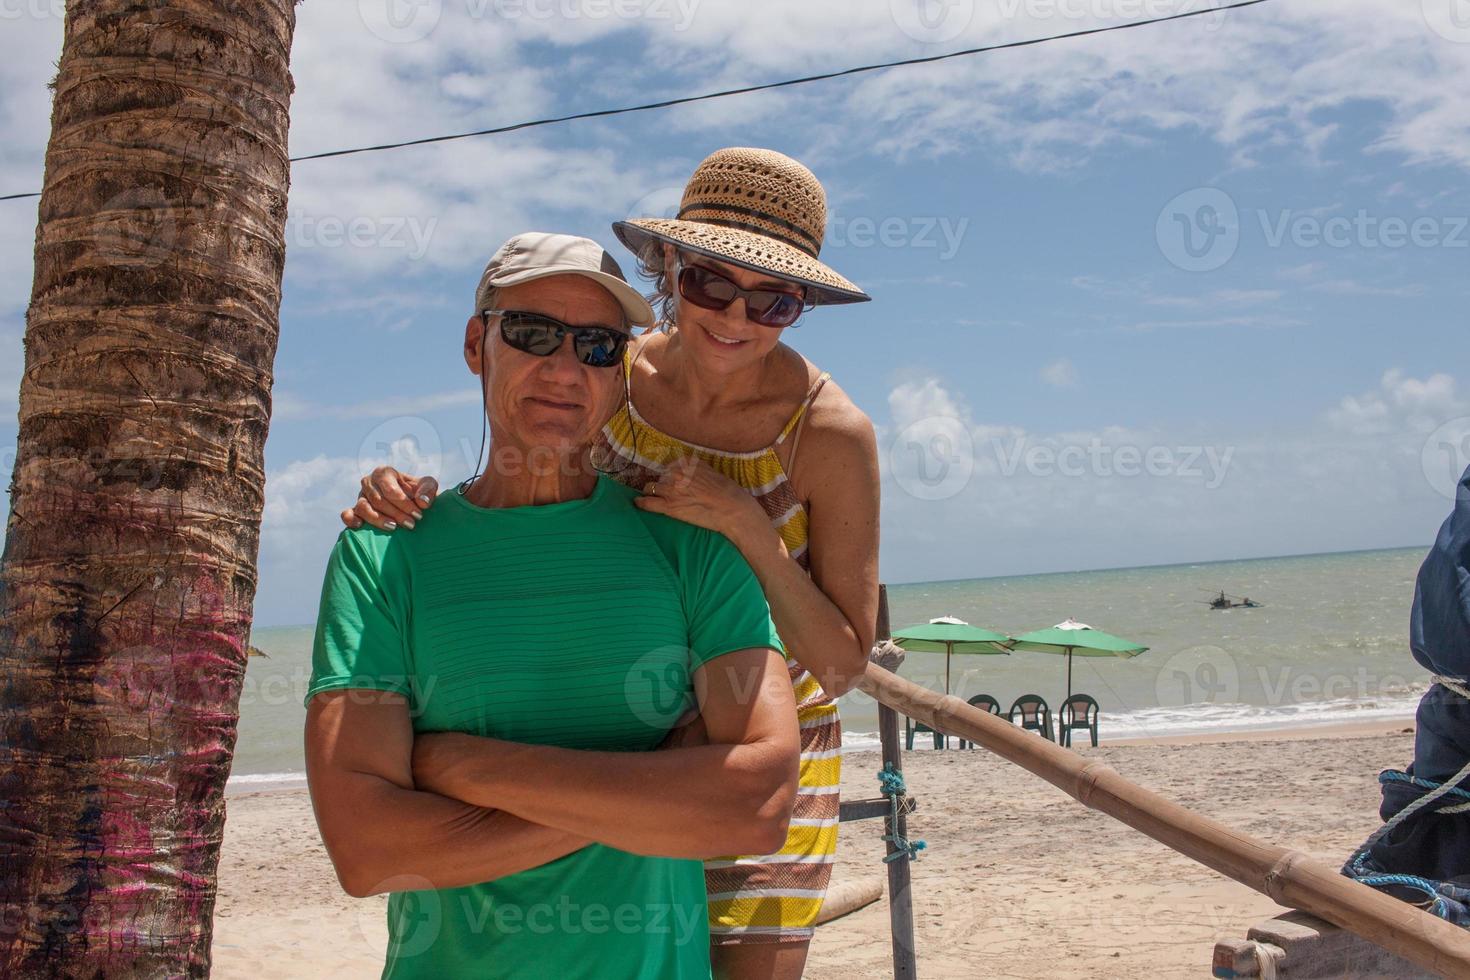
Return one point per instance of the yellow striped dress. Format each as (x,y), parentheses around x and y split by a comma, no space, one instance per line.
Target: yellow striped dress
(768,898)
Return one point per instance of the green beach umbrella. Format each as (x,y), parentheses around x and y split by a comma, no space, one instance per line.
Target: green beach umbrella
(1079,638)
(950,636)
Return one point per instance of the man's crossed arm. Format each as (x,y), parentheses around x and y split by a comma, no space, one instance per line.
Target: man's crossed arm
(458,809)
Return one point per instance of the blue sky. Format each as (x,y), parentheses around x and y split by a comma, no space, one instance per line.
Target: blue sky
(1188,292)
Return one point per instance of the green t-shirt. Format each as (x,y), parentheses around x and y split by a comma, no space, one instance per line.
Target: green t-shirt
(576,624)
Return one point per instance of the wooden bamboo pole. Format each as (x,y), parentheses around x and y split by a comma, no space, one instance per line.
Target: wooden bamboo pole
(847,897)
(900,890)
(1288,877)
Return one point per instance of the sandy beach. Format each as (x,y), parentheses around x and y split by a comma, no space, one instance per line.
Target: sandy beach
(1018,881)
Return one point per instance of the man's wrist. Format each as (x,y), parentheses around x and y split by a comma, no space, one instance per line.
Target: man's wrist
(448,763)
(482,762)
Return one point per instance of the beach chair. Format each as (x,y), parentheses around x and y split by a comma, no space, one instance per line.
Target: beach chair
(1034,714)
(912,727)
(985,703)
(1078,711)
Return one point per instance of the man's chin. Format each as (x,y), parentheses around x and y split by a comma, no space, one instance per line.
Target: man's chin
(555,439)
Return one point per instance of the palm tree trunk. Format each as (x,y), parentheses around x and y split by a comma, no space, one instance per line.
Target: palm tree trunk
(129,565)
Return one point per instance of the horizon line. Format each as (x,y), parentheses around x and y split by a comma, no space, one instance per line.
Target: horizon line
(1074,571)
(1167,564)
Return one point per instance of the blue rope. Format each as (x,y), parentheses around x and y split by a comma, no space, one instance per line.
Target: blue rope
(1442,899)
(1436,903)
(1395,776)
(890,780)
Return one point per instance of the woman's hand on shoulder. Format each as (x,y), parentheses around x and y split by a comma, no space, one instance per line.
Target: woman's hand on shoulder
(390,499)
(691,490)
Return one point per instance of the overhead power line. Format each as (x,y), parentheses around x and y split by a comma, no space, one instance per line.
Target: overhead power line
(746,90)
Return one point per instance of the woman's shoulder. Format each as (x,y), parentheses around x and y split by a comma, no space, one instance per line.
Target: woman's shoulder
(835,427)
(642,351)
(640,343)
(832,409)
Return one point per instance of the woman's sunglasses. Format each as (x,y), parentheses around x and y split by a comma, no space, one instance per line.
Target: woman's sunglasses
(533,333)
(768,307)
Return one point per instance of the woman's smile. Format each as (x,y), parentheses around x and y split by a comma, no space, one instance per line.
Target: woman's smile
(721,341)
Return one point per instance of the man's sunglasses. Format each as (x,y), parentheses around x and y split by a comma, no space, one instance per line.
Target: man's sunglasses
(533,333)
(768,307)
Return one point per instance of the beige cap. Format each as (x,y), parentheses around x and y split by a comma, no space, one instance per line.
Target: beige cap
(538,254)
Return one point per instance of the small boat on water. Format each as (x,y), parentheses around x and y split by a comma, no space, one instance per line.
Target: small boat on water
(1226,601)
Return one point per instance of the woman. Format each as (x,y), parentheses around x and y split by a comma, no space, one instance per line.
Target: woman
(716,410)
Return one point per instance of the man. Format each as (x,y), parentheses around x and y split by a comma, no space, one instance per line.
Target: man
(486,691)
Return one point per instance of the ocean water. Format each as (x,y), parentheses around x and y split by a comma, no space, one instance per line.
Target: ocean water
(1329,645)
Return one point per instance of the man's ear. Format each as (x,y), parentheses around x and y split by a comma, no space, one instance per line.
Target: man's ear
(474,338)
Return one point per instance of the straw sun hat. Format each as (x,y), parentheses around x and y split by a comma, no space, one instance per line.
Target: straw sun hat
(757,209)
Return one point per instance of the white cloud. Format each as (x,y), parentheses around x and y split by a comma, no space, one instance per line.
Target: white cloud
(1059,374)
(1264,81)
(971,497)
(12,359)
(1261,321)
(1247,297)
(300,522)
(914,401)
(289,406)
(1141,289)
(31,46)
(443,206)
(1306,272)
(1255,80)
(1400,404)
(1351,287)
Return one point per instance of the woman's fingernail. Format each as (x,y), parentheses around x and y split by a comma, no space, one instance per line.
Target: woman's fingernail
(390,525)
(408,523)
(424,499)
